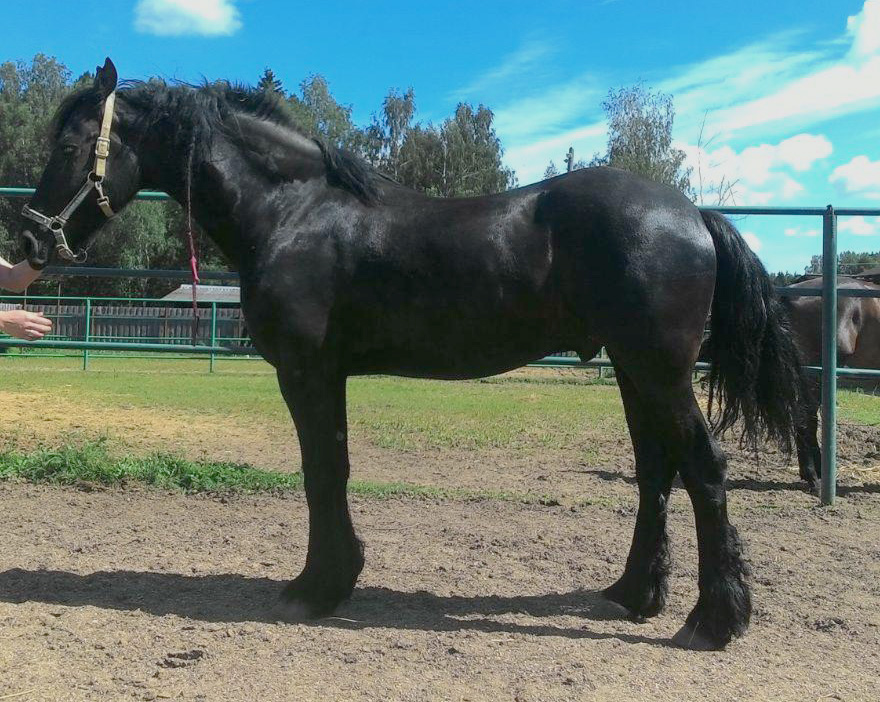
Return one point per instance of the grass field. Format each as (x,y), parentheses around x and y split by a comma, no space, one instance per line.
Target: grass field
(525,411)
(135,419)
(390,412)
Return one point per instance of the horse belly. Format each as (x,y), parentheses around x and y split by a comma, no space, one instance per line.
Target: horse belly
(454,343)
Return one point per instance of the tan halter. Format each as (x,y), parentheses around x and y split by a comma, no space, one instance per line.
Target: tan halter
(95,180)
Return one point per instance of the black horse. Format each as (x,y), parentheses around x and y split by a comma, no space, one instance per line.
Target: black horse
(345,272)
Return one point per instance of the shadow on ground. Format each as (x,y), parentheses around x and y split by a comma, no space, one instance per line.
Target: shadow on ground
(238,598)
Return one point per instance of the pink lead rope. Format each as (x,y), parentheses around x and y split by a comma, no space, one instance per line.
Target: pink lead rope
(193,261)
(194,267)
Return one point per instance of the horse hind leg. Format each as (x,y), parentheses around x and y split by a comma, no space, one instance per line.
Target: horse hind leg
(724,605)
(671,435)
(642,588)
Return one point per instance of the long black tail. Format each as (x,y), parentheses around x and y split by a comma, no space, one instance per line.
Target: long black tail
(756,374)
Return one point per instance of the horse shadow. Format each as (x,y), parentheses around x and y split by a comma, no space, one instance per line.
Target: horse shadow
(234,598)
(748,484)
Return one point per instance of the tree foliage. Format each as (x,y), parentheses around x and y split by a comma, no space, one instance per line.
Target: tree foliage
(270,83)
(640,137)
(459,158)
(462,156)
(848,262)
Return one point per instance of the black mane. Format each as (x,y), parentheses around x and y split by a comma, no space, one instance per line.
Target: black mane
(198,111)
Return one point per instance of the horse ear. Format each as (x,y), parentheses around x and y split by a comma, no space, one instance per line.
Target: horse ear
(106,77)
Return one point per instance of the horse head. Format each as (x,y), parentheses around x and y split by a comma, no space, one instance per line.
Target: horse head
(91,174)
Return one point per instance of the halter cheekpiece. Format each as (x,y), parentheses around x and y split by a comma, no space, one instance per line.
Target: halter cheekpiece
(94,180)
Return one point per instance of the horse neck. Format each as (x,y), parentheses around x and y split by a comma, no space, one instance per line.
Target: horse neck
(227,184)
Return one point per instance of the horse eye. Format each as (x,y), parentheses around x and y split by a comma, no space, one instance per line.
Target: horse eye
(69,149)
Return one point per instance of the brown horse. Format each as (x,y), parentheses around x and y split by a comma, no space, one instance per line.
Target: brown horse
(858,346)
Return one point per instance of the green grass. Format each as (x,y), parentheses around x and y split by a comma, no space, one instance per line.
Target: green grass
(858,407)
(395,413)
(407,414)
(517,414)
(93,464)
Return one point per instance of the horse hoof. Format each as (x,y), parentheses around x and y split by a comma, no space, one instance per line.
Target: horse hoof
(301,601)
(691,638)
(292,611)
(616,610)
(637,608)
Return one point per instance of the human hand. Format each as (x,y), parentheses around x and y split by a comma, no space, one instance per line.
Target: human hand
(24,325)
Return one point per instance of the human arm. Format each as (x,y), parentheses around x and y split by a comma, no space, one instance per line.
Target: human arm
(16,277)
(21,323)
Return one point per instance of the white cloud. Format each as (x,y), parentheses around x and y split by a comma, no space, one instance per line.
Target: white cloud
(757,175)
(798,232)
(859,226)
(512,66)
(181,17)
(525,117)
(531,158)
(864,28)
(772,88)
(752,240)
(801,151)
(775,83)
(859,176)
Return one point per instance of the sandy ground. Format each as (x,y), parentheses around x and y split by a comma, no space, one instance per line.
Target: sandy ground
(111,595)
(142,595)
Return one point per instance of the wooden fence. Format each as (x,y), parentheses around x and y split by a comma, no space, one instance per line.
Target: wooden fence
(141,322)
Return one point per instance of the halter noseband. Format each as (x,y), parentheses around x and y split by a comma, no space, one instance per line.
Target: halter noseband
(95,180)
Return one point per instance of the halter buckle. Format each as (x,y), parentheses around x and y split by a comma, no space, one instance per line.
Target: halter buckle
(102,147)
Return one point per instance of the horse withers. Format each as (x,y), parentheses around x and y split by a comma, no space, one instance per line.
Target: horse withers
(345,272)
(858,346)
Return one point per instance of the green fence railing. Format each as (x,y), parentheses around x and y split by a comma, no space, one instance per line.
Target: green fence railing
(829,293)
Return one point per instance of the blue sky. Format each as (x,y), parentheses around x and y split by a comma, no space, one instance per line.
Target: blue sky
(786,94)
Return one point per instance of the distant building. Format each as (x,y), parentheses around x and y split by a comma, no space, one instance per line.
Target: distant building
(205,293)
(872,275)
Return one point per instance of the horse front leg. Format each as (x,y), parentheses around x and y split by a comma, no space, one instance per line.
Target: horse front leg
(335,555)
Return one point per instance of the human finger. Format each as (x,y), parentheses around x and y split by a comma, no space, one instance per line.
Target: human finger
(36,317)
(40,326)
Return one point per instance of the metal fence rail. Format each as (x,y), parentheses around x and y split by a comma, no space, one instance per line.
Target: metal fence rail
(829,294)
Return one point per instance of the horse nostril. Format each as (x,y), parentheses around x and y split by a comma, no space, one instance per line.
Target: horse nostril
(30,243)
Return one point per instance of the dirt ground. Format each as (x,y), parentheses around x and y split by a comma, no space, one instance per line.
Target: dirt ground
(143,595)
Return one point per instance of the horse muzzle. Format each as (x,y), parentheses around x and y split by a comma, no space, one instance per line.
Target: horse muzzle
(37,249)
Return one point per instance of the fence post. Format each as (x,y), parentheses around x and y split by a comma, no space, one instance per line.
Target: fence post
(829,356)
(88,326)
(213,334)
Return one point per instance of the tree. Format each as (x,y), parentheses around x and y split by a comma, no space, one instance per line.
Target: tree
(848,262)
(551,171)
(269,83)
(318,114)
(640,137)
(460,158)
(472,154)
(783,278)
(29,94)
(385,137)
